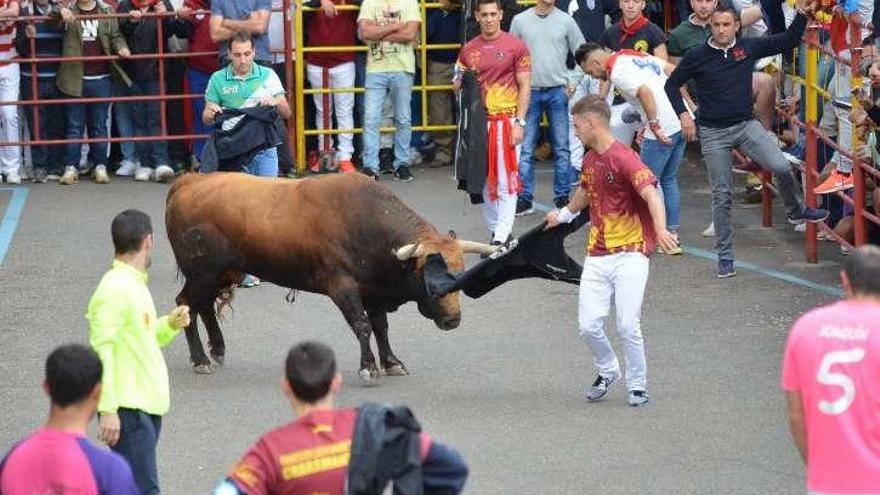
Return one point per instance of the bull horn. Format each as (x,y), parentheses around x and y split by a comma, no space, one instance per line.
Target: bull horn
(408,251)
(477,247)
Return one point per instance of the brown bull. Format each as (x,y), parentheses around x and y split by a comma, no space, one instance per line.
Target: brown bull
(344,236)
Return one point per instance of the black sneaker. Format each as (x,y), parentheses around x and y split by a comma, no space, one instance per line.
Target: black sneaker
(402,174)
(808,214)
(560,203)
(726,269)
(386,161)
(524,207)
(370,173)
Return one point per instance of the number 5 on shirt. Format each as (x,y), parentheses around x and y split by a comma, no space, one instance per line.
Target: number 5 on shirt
(826,377)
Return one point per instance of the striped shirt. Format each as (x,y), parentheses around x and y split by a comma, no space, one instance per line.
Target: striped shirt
(7,35)
(47,43)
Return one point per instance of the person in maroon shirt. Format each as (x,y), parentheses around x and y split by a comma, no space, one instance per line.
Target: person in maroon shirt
(311,454)
(333,27)
(195,15)
(627,220)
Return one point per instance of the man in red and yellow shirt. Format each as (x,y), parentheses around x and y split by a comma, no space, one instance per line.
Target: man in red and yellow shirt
(627,220)
(313,453)
(503,68)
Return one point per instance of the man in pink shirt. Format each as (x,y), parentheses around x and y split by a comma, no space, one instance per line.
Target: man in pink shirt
(58,458)
(829,374)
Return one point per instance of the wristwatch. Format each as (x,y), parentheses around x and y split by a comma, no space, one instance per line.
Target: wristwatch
(520,122)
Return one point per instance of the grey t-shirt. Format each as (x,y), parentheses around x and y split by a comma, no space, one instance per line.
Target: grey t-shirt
(550,39)
(239,10)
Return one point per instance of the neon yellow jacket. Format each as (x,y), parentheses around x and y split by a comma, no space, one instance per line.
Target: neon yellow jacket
(128,337)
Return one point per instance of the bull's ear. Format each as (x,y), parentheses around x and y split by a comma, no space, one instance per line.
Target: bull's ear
(452,234)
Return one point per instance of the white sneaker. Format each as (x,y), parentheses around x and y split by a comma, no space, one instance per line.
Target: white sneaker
(13,178)
(126,169)
(710,230)
(100,175)
(70,176)
(143,174)
(164,173)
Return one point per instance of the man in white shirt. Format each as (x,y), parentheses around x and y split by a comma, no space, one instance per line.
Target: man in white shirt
(640,78)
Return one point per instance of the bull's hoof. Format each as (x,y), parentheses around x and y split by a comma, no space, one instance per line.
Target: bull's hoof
(203,369)
(368,377)
(397,369)
(219,359)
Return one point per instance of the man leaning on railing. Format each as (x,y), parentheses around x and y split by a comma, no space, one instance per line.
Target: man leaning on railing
(88,37)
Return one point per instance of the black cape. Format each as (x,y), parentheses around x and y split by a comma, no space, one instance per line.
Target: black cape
(538,253)
(471,150)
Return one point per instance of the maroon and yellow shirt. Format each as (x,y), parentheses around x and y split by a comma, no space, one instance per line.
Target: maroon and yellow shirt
(497,63)
(619,217)
(308,456)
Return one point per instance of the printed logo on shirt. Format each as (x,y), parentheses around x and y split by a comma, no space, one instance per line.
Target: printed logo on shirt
(89,29)
(229,90)
(641,46)
(739,53)
(316,460)
(610,178)
(646,63)
(385,17)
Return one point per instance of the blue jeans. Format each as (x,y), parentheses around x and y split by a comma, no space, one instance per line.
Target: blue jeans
(198,84)
(79,116)
(138,437)
(123,114)
(264,164)
(399,86)
(555,103)
(663,160)
(50,158)
(147,122)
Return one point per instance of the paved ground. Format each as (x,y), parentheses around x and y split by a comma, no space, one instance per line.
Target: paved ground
(505,388)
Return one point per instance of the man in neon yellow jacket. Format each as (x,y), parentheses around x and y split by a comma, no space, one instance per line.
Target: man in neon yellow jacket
(127,335)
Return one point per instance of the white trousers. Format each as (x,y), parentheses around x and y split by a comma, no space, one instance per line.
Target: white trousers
(624,276)
(10,156)
(341,76)
(623,131)
(500,214)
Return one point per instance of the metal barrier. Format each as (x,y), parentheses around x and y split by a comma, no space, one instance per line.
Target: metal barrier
(300,92)
(814,135)
(162,97)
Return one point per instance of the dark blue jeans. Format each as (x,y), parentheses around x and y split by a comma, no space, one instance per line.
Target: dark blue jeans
(93,116)
(554,102)
(147,122)
(138,437)
(51,117)
(198,84)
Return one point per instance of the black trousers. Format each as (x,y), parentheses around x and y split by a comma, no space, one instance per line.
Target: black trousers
(138,438)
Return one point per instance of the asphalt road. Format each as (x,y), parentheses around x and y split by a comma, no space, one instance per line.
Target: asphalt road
(505,388)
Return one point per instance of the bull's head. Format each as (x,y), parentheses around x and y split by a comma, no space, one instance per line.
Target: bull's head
(437,258)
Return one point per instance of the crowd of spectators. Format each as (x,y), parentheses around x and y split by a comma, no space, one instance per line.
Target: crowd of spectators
(388,69)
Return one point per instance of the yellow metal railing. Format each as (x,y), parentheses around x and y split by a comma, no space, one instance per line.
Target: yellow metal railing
(301,128)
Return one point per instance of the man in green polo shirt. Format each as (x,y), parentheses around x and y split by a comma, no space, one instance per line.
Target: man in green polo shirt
(128,337)
(244,84)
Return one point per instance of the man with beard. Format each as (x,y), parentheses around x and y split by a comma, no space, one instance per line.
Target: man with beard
(722,71)
(128,337)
